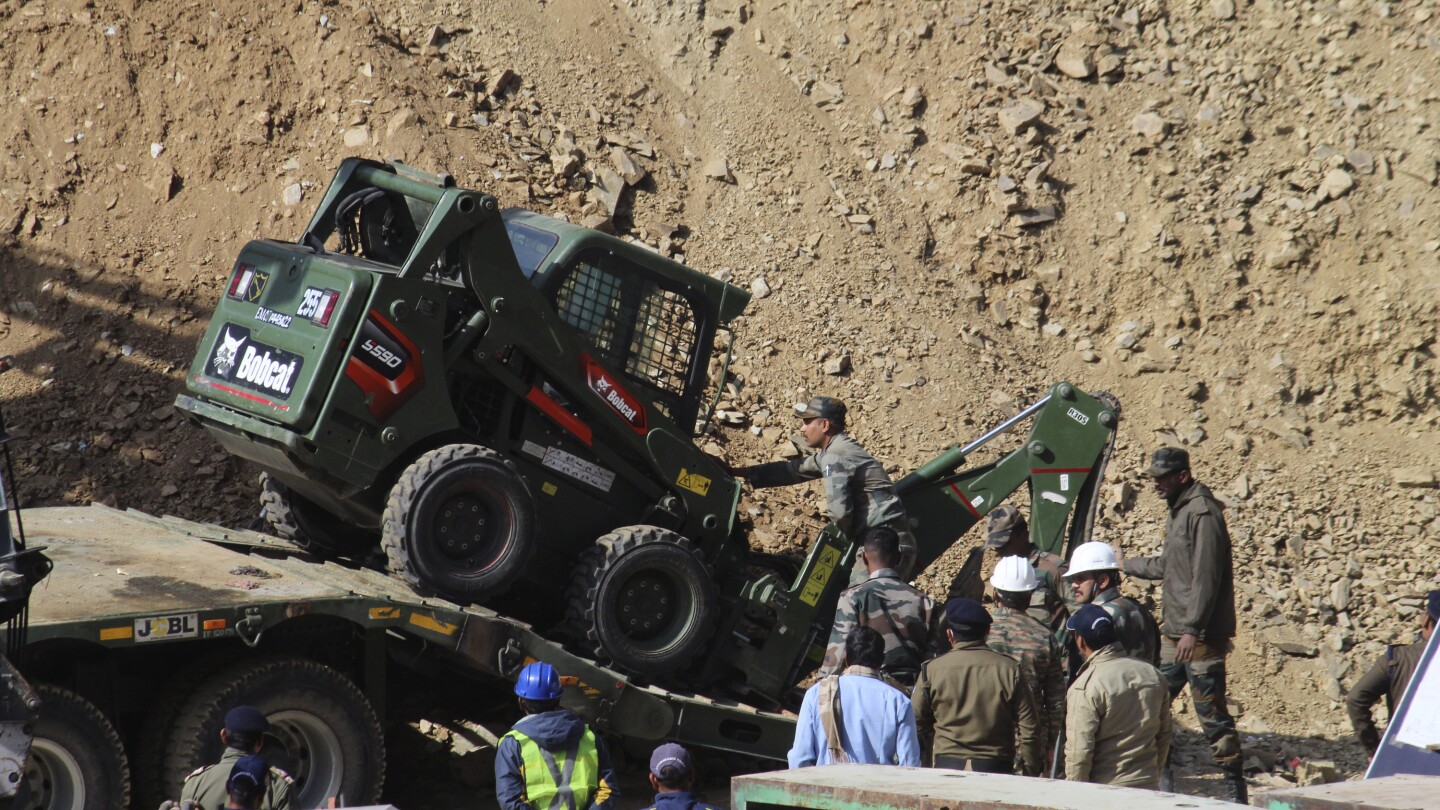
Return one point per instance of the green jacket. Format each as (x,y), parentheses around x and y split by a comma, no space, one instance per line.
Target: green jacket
(1117,721)
(972,702)
(1195,567)
(206,786)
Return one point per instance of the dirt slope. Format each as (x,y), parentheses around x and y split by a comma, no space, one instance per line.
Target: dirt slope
(1225,213)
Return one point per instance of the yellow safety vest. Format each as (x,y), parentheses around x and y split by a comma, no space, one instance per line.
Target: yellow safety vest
(567,779)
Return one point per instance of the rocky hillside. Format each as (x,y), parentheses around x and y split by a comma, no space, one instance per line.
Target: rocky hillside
(1224,212)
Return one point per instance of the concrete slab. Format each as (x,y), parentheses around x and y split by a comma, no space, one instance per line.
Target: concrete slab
(887,787)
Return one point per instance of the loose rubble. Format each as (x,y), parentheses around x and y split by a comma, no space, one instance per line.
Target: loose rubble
(1225,214)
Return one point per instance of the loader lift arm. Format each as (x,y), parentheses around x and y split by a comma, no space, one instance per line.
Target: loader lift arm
(1062,462)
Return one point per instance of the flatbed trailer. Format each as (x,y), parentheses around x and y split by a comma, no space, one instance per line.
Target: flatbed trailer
(150,626)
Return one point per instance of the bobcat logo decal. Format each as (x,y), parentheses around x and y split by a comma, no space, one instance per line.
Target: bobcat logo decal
(227,352)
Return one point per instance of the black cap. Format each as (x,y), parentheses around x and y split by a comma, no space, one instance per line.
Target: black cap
(1093,624)
(246,720)
(1432,605)
(962,612)
(823,408)
(1004,519)
(1168,460)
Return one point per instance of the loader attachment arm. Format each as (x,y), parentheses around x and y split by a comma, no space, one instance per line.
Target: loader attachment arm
(1062,462)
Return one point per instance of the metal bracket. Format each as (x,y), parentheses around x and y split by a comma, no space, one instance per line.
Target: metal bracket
(252,623)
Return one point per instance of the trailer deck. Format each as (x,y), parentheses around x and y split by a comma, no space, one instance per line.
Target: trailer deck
(128,579)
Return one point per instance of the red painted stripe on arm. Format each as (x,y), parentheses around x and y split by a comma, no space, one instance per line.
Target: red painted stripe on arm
(965,501)
(564,418)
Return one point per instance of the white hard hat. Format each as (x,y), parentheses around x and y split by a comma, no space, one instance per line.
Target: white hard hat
(1014,574)
(1092,556)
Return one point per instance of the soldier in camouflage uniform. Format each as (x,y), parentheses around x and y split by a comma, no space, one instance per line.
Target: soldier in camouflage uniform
(1094,578)
(903,615)
(1009,536)
(858,492)
(1019,635)
(1198,619)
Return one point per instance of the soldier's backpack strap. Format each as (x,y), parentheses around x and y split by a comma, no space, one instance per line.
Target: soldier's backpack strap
(832,718)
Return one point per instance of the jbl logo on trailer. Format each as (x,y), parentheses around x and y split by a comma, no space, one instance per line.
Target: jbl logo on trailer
(162,628)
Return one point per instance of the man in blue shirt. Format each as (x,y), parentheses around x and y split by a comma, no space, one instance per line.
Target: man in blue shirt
(856,717)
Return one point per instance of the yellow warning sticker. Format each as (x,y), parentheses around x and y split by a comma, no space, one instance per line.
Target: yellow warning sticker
(549,488)
(433,624)
(695,482)
(824,567)
(382,613)
(116,633)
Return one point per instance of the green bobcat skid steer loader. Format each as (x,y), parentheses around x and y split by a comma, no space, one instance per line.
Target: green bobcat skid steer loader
(506,402)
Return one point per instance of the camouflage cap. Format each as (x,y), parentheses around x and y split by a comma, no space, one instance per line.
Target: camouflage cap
(1004,520)
(823,408)
(1168,460)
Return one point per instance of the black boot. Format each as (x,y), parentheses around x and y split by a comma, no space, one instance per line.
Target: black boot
(1167,779)
(1236,790)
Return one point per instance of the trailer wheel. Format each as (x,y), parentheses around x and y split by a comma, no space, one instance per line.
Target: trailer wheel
(643,599)
(459,523)
(77,761)
(295,518)
(323,731)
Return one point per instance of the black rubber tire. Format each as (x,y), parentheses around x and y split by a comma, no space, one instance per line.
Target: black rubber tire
(77,761)
(150,748)
(293,517)
(329,739)
(670,615)
(431,535)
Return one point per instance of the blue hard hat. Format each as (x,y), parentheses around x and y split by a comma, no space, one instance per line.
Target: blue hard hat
(538,681)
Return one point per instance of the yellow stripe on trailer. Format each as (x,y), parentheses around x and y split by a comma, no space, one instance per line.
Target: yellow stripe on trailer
(433,624)
(116,633)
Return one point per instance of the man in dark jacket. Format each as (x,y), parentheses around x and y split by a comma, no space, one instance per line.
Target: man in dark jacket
(550,755)
(672,775)
(1389,678)
(1198,619)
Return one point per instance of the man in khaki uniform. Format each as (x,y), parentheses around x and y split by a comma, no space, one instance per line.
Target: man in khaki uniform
(971,704)
(858,492)
(243,735)
(1117,718)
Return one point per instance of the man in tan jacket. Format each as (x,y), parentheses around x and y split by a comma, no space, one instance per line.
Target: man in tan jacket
(972,707)
(1117,714)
